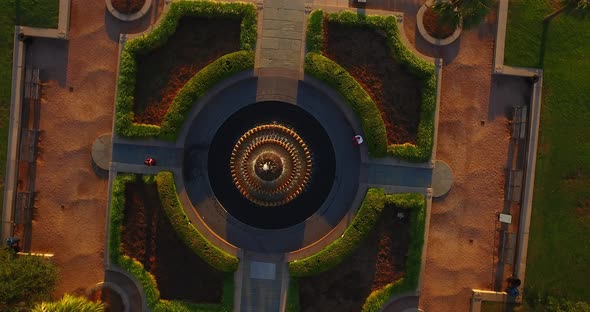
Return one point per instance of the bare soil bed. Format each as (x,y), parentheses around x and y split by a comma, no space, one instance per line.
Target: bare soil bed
(364,53)
(434,27)
(379,261)
(128,6)
(161,73)
(149,237)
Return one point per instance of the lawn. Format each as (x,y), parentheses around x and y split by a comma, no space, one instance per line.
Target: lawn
(558,247)
(37,13)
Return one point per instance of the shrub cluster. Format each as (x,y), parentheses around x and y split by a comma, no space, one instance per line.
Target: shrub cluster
(214,256)
(363,223)
(344,246)
(186,231)
(348,87)
(200,83)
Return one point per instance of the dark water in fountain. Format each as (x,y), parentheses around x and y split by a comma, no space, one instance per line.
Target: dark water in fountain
(318,142)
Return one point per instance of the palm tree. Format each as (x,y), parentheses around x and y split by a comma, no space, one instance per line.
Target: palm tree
(69,303)
(569,5)
(462,13)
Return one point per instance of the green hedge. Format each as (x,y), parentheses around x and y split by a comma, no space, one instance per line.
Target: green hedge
(207,77)
(293,304)
(344,246)
(415,202)
(339,79)
(216,257)
(363,223)
(136,269)
(344,83)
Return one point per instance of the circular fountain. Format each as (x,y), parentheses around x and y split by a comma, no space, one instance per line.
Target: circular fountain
(270,165)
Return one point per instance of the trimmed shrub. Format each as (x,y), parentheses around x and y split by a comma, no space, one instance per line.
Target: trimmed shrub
(344,246)
(315,31)
(136,269)
(363,223)
(339,79)
(214,256)
(420,152)
(212,74)
(409,282)
(293,296)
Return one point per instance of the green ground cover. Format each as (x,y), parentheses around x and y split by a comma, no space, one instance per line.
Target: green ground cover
(36,13)
(558,246)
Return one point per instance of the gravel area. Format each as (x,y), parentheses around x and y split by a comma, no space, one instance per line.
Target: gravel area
(77,106)
(462,229)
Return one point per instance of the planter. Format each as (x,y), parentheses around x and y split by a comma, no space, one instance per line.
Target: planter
(129,17)
(427,36)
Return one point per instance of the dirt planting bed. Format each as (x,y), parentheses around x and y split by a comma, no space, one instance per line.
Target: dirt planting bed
(379,261)
(149,237)
(434,27)
(162,72)
(365,54)
(128,6)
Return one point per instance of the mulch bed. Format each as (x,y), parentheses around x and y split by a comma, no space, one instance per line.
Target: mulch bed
(128,6)
(111,299)
(162,72)
(434,27)
(149,237)
(364,53)
(380,260)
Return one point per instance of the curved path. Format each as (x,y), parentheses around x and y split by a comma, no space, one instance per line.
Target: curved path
(127,284)
(402,304)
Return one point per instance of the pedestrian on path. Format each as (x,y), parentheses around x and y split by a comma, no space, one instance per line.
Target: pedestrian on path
(358,139)
(149,162)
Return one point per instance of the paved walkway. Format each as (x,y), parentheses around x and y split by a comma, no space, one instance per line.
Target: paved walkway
(264,278)
(382,174)
(282,35)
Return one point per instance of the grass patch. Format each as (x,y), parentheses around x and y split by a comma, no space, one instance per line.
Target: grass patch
(365,108)
(197,86)
(35,13)
(208,252)
(560,225)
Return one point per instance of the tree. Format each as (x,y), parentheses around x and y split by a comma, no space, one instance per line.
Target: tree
(24,279)
(579,5)
(462,13)
(70,303)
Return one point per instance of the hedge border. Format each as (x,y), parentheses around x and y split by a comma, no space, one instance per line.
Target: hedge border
(210,75)
(345,245)
(337,77)
(416,202)
(136,269)
(370,211)
(200,245)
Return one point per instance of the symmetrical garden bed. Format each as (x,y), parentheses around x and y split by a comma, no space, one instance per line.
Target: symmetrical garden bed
(378,255)
(392,90)
(151,238)
(148,237)
(162,74)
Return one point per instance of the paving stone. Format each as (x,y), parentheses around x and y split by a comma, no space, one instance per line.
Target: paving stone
(282,34)
(271,24)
